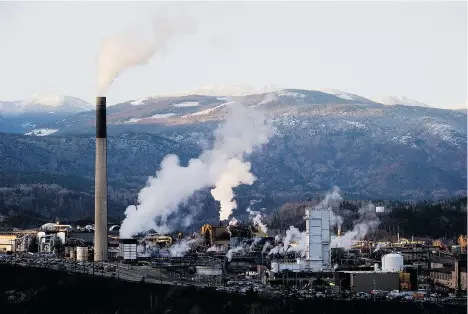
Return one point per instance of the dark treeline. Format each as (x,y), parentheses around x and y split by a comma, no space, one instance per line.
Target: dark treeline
(439,219)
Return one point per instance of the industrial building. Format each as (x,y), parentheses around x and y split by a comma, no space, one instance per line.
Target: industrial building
(317,253)
(7,242)
(366,281)
(450,272)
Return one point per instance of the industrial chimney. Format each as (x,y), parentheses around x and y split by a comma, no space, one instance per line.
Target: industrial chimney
(100,183)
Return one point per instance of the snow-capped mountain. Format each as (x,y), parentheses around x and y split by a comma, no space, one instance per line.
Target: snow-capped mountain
(397,100)
(462,107)
(343,95)
(41,103)
(322,139)
(230,90)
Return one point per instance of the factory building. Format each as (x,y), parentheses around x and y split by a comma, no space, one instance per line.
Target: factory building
(450,272)
(317,256)
(366,281)
(7,242)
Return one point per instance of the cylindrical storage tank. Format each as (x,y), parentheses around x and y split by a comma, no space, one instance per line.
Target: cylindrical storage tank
(275,267)
(392,262)
(82,253)
(72,253)
(380,209)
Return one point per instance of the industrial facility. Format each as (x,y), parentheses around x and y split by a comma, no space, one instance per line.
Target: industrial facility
(238,254)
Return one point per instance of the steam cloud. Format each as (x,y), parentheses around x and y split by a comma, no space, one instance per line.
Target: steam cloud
(367,222)
(294,241)
(236,173)
(237,249)
(257,219)
(243,131)
(331,202)
(136,45)
(180,248)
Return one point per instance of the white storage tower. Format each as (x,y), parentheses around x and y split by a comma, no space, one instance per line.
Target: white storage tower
(318,239)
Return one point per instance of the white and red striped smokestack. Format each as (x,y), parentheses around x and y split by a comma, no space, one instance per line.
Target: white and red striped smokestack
(100,183)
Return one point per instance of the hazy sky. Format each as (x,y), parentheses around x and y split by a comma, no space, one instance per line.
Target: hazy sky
(418,50)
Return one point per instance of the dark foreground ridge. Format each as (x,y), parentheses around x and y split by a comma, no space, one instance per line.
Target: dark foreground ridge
(32,290)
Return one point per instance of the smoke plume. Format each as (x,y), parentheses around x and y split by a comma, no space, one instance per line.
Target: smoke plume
(237,173)
(243,131)
(294,241)
(266,246)
(180,248)
(367,222)
(135,46)
(237,249)
(233,222)
(331,202)
(215,248)
(257,219)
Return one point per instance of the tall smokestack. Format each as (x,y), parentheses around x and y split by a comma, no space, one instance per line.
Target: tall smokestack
(100,183)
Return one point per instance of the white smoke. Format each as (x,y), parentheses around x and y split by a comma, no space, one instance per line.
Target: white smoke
(237,249)
(277,238)
(279,249)
(233,221)
(377,247)
(367,222)
(135,46)
(215,248)
(183,246)
(257,219)
(294,241)
(237,172)
(243,131)
(331,202)
(254,243)
(266,246)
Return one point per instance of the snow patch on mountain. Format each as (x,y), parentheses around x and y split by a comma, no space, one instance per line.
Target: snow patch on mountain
(43,103)
(338,93)
(287,93)
(356,124)
(187,104)
(28,125)
(162,115)
(269,98)
(460,107)
(230,90)
(404,139)
(398,100)
(443,131)
(155,116)
(207,111)
(138,102)
(133,120)
(41,132)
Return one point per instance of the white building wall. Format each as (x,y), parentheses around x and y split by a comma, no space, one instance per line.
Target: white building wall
(326,237)
(318,239)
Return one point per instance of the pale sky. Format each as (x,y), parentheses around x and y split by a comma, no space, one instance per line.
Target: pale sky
(417,50)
